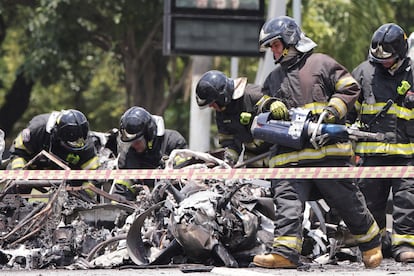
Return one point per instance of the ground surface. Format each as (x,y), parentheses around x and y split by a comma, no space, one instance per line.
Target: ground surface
(388,267)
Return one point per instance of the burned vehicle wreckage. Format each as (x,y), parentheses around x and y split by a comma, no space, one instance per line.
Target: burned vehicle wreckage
(211,222)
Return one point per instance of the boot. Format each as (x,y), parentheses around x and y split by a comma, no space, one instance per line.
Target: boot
(372,258)
(407,257)
(273,261)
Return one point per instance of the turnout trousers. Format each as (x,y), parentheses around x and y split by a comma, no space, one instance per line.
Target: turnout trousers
(376,192)
(343,195)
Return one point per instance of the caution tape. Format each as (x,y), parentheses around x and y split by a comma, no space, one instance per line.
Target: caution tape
(239,173)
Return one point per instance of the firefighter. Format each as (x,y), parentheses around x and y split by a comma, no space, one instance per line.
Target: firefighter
(63,133)
(386,105)
(236,103)
(143,143)
(317,82)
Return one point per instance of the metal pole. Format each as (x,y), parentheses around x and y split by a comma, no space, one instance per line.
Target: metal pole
(297,14)
(200,119)
(266,64)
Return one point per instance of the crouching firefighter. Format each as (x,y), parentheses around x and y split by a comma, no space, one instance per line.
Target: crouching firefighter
(65,134)
(143,143)
(317,82)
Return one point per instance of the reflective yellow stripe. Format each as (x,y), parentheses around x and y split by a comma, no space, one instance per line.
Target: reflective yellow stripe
(357,106)
(338,149)
(316,107)
(290,242)
(401,239)
(372,232)
(18,163)
(344,82)
(384,148)
(263,100)
(398,111)
(18,143)
(89,192)
(92,164)
(339,105)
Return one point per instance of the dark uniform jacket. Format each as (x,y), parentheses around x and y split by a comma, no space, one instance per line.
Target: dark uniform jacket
(152,158)
(34,138)
(397,123)
(232,132)
(309,81)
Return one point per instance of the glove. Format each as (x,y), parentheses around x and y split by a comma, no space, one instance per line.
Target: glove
(331,116)
(409,99)
(279,110)
(231,156)
(336,110)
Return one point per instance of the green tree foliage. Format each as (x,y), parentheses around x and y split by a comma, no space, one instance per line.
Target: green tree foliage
(99,56)
(343,28)
(102,56)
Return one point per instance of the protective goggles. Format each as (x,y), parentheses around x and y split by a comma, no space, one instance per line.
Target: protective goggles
(381,55)
(129,137)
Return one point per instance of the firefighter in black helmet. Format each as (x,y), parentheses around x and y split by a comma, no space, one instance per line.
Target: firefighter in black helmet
(236,103)
(142,144)
(315,81)
(63,133)
(387,80)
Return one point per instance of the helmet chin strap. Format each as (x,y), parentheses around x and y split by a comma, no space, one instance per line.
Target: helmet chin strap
(284,54)
(395,66)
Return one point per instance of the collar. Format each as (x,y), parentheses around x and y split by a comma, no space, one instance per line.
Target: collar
(239,86)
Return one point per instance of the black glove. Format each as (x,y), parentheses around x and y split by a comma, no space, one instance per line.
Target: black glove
(409,99)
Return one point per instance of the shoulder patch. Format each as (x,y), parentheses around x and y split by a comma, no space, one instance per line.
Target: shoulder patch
(26,135)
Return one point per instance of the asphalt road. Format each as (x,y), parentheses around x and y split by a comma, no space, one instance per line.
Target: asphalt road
(388,267)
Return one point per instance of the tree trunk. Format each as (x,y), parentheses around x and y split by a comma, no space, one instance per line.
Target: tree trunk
(16,102)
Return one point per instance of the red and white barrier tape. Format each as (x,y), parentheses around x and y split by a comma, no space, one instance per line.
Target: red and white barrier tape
(249,173)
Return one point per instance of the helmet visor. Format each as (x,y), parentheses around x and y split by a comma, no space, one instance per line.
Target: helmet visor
(380,54)
(203,103)
(72,132)
(129,137)
(78,144)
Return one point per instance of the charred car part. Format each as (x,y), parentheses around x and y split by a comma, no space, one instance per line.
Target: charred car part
(212,222)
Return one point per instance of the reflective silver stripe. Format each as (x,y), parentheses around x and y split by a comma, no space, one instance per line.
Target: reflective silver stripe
(400,239)
(384,148)
(338,149)
(372,232)
(290,242)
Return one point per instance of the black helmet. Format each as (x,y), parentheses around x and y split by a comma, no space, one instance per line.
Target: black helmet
(214,86)
(71,129)
(137,123)
(283,28)
(388,41)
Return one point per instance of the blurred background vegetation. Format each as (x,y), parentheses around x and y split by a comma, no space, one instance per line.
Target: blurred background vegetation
(103,56)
